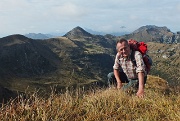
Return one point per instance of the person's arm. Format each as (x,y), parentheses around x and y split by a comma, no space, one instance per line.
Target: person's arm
(140,70)
(140,92)
(116,71)
(117,76)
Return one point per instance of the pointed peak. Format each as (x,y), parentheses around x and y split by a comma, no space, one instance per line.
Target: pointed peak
(77,32)
(79,28)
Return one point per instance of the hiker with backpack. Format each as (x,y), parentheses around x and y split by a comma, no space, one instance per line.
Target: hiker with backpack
(129,67)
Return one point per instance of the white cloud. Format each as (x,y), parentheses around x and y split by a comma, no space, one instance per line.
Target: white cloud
(67,11)
(178,7)
(46,16)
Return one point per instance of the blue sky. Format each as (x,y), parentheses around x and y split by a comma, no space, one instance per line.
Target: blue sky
(56,16)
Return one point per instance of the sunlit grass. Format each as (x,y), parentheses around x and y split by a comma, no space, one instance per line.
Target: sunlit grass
(94,105)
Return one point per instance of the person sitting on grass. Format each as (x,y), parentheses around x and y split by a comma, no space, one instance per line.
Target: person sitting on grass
(125,71)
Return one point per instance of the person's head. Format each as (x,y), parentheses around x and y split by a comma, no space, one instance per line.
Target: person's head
(122,47)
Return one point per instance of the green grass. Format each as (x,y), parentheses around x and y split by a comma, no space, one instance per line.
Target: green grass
(96,105)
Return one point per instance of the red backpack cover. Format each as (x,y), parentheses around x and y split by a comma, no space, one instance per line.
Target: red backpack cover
(142,48)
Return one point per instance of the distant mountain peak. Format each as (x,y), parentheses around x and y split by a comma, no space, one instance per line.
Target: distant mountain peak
(152,27)
(36,36)
(77,32)
(78,28)
(155,34)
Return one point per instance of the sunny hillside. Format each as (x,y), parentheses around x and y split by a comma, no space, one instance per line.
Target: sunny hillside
(166,61)
(160,103)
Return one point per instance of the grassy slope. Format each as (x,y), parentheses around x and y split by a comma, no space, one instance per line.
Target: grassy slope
(166,68)
(97,104)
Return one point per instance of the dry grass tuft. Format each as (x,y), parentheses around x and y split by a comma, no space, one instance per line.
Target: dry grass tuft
(94,105)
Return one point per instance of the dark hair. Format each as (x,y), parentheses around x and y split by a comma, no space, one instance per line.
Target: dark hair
(121,40)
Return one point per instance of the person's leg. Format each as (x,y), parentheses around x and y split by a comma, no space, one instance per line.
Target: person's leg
(133,84)
(112,79)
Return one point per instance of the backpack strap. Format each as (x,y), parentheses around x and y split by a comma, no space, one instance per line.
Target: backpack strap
(133,57)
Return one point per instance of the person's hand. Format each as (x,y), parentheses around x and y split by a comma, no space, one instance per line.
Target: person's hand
(119,85)
(140,93)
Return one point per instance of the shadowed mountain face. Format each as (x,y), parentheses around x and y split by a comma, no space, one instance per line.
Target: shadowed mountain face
(77,58)
(23,57)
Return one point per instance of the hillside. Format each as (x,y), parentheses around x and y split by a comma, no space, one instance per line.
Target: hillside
(28,64)
(78,55)
(166,61)
(23,59)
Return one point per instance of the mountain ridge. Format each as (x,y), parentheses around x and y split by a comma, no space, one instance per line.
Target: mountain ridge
(145,33)
(152,33)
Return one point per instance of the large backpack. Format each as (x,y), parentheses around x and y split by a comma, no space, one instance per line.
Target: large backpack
(142,48)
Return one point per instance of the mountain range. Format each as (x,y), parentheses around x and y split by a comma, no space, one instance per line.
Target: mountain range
(54,35)
(79,58)
(145,33)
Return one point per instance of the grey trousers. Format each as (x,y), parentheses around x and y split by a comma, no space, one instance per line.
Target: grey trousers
(130,83)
